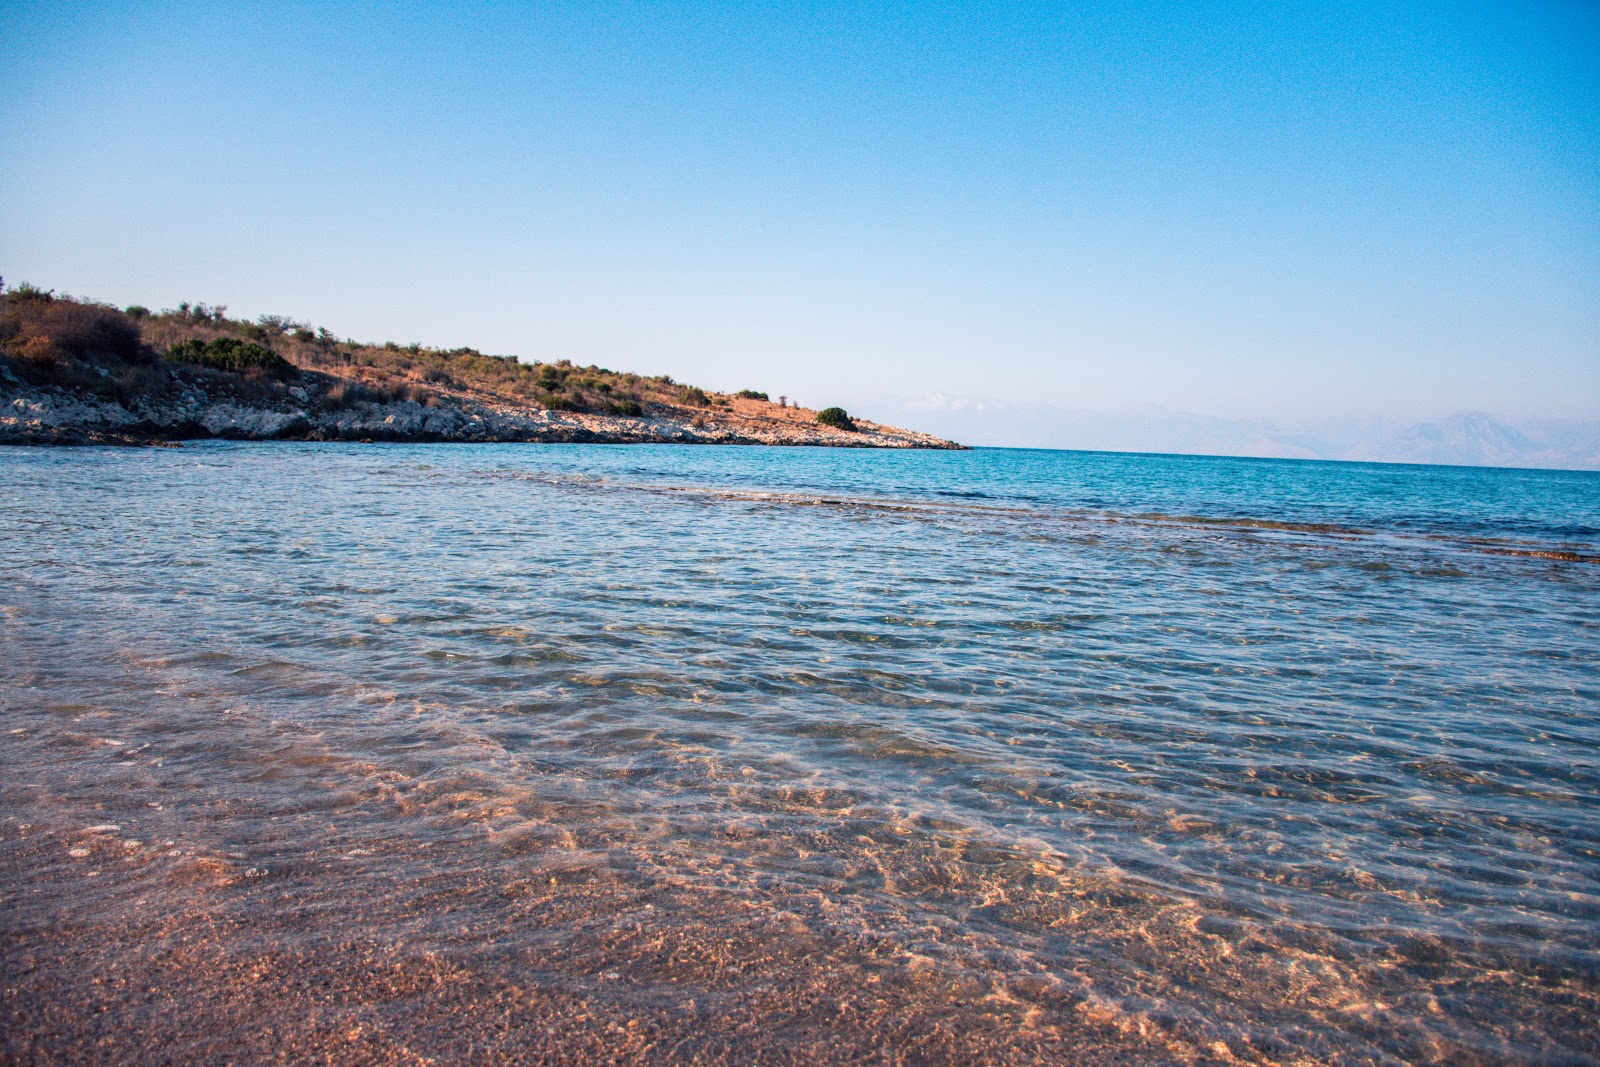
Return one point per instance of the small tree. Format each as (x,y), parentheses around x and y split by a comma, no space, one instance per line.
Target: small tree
(231,354)
(280,324)
(837,418)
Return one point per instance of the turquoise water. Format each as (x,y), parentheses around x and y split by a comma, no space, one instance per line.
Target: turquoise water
(1057,755)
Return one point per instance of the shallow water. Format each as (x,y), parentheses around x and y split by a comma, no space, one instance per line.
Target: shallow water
(493,753)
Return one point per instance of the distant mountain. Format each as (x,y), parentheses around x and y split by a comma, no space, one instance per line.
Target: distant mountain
(1471,438)
(1476,439)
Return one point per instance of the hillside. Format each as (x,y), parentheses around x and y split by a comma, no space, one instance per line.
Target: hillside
(75,371)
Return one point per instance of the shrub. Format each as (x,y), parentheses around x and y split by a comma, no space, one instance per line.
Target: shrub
(27,294)
(339,395)
(37,320)
(346,393)
(630,408)
(837,418)
(36,350)
(281,324)
(696,396)
(138,382)
(230,354)
(201,314)
(751,394)
(556,402)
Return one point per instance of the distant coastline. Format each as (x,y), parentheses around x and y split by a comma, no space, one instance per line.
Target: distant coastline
(77,372)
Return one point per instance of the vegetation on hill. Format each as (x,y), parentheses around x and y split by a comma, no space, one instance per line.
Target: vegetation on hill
(51,339)
(77,345)
(76,371)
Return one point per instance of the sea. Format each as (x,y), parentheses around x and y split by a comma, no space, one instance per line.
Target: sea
(641,754)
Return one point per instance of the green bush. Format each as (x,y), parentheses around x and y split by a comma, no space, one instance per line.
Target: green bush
(230,354)
(751,394)
(557,402)
(630,408)
(836,417)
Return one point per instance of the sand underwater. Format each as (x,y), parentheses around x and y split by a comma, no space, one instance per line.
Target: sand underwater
(412,754)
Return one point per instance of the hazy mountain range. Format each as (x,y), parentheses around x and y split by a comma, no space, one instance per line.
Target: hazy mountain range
(1471,438)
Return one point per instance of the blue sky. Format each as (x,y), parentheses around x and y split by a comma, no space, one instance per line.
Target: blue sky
(1290,212)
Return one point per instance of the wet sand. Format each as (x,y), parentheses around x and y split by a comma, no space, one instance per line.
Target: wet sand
(229,969)
(333,914)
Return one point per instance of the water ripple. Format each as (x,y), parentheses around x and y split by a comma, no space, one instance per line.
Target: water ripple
(1098,756)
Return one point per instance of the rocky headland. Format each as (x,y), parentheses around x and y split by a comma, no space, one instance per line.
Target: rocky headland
(78,372)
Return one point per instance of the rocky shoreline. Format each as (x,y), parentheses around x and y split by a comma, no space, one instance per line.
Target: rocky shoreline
(78,372)
(35,415)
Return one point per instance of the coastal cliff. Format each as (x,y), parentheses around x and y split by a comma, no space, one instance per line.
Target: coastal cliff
(78,372)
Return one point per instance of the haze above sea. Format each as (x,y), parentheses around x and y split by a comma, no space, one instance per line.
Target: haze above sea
(798,755)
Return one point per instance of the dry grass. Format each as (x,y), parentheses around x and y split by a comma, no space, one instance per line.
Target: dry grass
(415,371)
(50,339)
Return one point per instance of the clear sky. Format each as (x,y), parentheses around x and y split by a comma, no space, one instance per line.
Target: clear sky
(1283,211)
